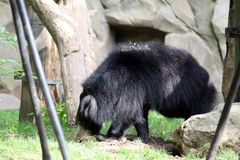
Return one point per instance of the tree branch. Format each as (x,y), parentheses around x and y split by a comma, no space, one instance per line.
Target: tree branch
(60,23)
(72,32)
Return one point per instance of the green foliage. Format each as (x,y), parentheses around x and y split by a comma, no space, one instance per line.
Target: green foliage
(7,38)
(9,67)
(61,112)
(147,153)
(161,126)
(105,127)
(193,157)
(227,153)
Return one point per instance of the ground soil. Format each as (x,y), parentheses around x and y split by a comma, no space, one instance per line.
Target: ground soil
(132,143)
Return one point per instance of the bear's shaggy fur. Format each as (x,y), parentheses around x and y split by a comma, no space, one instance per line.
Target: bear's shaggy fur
(138,76)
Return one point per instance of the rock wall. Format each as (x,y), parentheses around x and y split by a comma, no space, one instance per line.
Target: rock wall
(197,26)
(7,83)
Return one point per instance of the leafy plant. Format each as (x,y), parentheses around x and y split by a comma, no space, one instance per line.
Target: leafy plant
(7,38)
(9,67)
(61,111)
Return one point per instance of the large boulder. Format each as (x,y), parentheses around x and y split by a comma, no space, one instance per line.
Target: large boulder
(196,133)
(196,26)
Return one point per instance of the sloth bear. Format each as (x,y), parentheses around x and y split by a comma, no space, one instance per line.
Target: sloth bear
(137,77)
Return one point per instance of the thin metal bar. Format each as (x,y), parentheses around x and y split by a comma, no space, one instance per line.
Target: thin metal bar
(41,77)
(32,88)
(225,115)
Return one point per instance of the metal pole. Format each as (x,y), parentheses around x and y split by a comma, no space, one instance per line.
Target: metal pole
(225,114)
(41,77)
(32,88)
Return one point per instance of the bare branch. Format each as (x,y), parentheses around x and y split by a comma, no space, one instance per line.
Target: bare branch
(60,23)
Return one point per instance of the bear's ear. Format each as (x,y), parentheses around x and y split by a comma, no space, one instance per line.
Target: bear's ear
(88,106)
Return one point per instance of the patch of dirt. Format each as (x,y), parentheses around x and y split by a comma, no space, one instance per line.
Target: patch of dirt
(114,145)
(130,142)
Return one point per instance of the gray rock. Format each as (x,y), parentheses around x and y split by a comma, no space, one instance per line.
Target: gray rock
(196,133)
(104,39)
(183,11)
(203,13)
(168,16)
(5,1)
(8,101)
(5,10)
(187,22)
(220,22)
(198,48)
(155,14)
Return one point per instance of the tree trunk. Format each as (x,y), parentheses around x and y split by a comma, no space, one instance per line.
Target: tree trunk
(48,54)
(233,51)
(50,61)
(71,30)
(26,112)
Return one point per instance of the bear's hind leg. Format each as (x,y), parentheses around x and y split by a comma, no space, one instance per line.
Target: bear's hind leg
(142,130)
(116,130)
(141,125)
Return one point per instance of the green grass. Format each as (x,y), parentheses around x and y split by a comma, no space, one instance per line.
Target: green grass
(227,153)
(159,126)
(21,142)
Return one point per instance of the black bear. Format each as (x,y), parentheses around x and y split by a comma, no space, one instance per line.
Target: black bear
(138,76)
